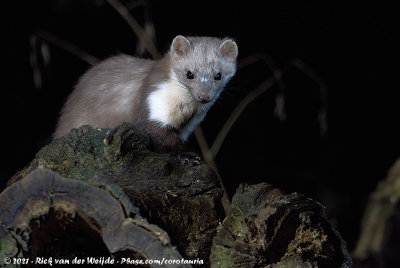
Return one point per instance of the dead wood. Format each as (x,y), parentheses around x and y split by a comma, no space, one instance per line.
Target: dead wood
(268,228)
(183,200)
(265,227)
(47,215)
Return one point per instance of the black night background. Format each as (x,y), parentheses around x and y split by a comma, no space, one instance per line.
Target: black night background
(349,48)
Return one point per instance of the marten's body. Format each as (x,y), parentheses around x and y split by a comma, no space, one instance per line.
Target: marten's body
(167,98)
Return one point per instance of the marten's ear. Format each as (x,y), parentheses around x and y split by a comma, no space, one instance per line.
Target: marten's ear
(180,46)
(229,50)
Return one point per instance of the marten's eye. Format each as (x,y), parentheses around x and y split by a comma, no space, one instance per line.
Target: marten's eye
(217,76)
(189,75)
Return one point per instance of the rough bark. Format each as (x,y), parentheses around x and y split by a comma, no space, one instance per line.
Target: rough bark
(379,242)
(265,227)
(45,215)
(268,228)
(181,199)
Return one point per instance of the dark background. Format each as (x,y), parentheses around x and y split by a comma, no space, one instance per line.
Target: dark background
(350,47)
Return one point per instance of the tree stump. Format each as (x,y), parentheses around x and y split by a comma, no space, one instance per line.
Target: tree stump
(267,228)
(45,215)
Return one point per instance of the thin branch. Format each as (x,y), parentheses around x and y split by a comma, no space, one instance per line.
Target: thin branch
(71,48)
(276,73)
(134,4)
(205,150)
(264,86)
(135,26)
(33,60)
(322,115)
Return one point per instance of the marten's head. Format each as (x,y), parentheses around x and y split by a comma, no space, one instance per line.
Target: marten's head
(198,69)
(203,65)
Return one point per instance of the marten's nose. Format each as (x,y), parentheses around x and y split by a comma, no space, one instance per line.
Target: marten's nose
(203,97)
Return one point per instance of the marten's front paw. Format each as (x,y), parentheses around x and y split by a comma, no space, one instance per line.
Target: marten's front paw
(188,159)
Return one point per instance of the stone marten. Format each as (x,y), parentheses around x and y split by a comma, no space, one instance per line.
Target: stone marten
(166,98)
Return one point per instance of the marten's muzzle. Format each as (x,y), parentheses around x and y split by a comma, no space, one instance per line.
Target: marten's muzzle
(203,97)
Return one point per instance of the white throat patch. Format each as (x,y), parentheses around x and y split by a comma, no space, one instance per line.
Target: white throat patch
(171,103)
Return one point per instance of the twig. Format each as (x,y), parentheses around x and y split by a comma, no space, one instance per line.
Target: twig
(322,115)
(135,26)
(276,73)
(33,60)
(236,112)
(276,77)
(205,150)
(71,48)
